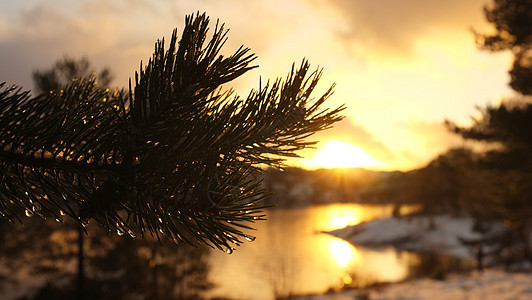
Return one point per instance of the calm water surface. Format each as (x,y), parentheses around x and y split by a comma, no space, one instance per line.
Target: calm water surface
(290,255)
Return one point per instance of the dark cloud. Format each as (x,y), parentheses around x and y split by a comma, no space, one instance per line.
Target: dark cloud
(29,44)
(38,37)
(117,34)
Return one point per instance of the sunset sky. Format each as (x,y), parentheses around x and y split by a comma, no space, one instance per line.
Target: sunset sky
(401,67)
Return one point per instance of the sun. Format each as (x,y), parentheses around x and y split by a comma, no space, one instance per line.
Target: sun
(338,154)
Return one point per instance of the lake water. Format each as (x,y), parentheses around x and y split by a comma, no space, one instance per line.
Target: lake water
(290,255)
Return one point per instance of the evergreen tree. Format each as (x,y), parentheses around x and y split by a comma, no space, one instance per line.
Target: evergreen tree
(64,71)
(504,178)
(512,20)
(175,155)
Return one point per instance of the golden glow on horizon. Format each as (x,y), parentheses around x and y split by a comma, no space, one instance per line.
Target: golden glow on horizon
(337,154)
(342,252)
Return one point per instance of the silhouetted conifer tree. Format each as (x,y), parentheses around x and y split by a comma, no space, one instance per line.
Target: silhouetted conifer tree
(512,20)
(64,71)
(503,189)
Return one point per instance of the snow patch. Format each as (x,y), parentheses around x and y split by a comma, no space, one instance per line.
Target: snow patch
(439,234)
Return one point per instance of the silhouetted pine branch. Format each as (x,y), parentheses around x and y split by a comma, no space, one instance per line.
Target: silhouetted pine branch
(175,156)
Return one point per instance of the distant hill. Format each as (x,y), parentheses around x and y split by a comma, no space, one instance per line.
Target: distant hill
(294,187)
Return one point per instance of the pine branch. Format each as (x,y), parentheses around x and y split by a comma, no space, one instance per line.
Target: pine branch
(177,156)
(56,149)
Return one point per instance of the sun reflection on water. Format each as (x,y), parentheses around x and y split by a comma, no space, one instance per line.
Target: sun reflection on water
(340,216)
(294,250)
(342,252)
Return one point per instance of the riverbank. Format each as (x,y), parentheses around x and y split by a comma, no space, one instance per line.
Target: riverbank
(439,234)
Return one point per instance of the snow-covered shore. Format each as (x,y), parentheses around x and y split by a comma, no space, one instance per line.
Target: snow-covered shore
(439,234)
(488,285)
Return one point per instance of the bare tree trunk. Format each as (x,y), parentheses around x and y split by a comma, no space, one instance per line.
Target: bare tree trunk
(81,272)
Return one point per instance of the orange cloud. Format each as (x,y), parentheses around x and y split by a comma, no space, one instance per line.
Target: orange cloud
(393,26)
(349,132)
